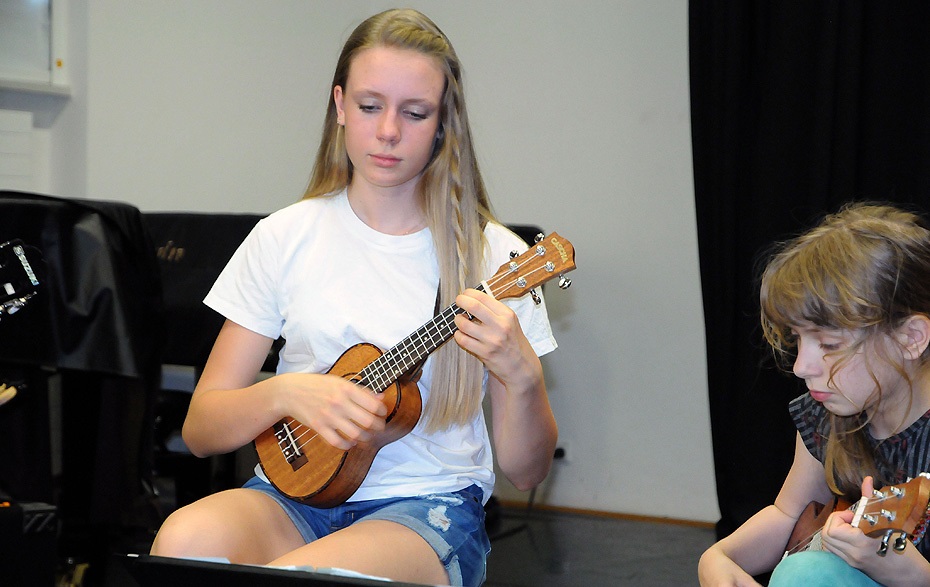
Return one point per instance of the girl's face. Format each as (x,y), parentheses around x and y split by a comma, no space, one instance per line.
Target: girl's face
(390,108)
(852,389)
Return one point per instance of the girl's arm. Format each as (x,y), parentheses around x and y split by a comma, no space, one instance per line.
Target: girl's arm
(523,425)
(229,409)
(758,545)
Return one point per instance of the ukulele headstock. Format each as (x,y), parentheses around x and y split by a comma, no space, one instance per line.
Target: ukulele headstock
(551,256)
(897,509)
(18,280)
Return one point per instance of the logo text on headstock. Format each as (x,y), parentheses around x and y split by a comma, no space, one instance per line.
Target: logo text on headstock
(562,252)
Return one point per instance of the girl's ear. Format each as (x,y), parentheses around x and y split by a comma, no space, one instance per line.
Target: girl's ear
(914,334)
(340,106)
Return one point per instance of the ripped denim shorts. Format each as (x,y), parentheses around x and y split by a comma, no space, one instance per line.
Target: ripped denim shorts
(452,523)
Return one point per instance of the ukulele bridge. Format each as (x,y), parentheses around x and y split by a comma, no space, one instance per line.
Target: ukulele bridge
(288,445)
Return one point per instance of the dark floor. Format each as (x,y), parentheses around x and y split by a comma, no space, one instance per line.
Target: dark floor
(554,549)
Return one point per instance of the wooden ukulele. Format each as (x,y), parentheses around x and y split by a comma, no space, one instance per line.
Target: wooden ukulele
(898,509)
(305,467)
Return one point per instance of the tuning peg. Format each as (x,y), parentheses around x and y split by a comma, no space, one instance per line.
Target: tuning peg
(514,254)
(883,549)
(536,299)
(539,237)
(900,543)
(564,282)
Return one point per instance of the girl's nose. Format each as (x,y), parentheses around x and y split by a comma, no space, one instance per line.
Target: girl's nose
(808,363)
(388,129)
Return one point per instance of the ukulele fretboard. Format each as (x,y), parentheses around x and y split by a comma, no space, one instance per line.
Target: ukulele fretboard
(409,353)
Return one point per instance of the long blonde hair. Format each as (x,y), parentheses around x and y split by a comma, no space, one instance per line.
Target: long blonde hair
(865,270)
(451,192)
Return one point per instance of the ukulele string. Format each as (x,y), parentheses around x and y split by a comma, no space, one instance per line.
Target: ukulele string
(508,280)
(367,378)
(295,440)
(496,285)
(804,544)
(295,425)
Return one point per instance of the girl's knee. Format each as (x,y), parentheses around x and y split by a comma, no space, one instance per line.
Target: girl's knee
(818,569)
(239,525)
(199,529)
(175,536)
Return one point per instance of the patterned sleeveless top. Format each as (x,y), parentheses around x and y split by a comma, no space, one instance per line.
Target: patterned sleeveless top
(900,458)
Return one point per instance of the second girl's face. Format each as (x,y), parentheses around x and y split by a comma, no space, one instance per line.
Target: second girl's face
(852,389)
(390,109)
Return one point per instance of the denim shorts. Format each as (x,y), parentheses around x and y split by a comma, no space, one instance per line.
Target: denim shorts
(452,523)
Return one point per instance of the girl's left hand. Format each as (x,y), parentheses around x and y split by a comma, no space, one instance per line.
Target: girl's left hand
(524,429)
(861,552)
(848,542)
(493,335)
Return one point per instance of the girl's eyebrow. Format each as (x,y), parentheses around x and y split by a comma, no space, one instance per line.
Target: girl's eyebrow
(362,92)
(814,329)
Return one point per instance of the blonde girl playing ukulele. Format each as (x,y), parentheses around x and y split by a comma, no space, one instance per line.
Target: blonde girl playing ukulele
(395,222)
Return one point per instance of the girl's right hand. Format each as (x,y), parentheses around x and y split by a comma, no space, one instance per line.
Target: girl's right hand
(716,569)
(340,411)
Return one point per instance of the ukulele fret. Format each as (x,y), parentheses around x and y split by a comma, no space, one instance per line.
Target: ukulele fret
(407,354)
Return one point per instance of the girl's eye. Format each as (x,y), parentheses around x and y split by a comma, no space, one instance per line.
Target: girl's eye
(832,344)
(367,107)
(417,115)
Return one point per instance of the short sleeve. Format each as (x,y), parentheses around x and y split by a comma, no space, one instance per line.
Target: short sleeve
(245,290)
(810,418)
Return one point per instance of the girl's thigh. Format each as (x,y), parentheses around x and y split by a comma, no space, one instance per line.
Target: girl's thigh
(241,525)
(818,568)
(378,548)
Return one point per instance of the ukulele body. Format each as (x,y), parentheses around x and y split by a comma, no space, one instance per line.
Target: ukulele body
(320,474)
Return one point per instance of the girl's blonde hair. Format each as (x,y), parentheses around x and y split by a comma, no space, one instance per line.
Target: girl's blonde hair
(864,270)
(451,193)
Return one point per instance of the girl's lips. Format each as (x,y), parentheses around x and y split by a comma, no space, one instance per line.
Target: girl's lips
(385,160)
(820,396)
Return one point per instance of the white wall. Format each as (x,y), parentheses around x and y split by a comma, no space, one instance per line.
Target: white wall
(581,117)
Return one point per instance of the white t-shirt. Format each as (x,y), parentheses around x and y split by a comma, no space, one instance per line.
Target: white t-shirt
(318,276)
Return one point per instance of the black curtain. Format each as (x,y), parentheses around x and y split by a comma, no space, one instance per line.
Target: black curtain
(797,107)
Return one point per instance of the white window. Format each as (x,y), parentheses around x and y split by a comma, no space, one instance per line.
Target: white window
(26,40)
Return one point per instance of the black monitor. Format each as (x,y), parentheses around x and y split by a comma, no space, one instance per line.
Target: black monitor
(141,570)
